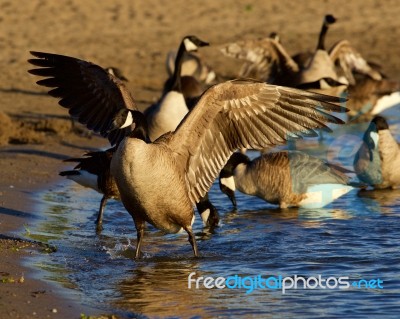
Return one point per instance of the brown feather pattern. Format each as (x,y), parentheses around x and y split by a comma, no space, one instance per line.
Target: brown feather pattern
(244,114)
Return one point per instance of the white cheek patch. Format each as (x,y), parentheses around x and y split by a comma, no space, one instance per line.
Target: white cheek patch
(229,182)
(375,137)
(128,121)
(189,45)
(204,216)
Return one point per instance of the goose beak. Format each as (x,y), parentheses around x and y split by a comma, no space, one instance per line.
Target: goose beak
(232,197)
(203,43)
(227,186)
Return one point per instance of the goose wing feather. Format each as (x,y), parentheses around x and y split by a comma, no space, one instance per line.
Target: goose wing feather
(92,95)
(244,114)
(348,59)
(263,58)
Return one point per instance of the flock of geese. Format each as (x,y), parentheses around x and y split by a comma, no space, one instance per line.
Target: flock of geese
(163,162)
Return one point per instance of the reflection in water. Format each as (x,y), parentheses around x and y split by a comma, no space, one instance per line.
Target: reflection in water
(357,236)
(386,201)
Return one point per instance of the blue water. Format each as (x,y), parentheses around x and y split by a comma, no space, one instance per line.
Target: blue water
(357,237)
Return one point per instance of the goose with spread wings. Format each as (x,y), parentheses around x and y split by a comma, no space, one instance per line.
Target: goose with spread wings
(160,182)
(266,59)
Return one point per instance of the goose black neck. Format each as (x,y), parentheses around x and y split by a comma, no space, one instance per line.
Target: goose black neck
(322,34)
(176,77)
(328,20)
(140,130)
(233,162)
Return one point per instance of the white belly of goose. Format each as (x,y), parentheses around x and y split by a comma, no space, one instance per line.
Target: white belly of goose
(167,115)
(150,186)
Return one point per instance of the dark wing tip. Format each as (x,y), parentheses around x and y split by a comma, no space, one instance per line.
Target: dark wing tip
(69,173)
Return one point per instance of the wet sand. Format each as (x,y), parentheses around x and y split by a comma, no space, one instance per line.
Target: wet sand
(36,134)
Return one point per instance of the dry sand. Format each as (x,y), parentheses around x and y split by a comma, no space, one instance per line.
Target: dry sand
(35,134)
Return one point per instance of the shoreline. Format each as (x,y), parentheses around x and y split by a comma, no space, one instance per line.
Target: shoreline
(23,293)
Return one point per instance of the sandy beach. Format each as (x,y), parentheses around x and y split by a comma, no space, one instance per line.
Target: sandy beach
(36,134)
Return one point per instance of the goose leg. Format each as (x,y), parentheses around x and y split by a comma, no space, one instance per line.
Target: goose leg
(99,220)
(140,231)
(192,240)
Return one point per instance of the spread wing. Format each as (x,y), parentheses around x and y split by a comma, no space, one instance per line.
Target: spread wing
(244,114)
(347,60)
(92,95)
(265,59)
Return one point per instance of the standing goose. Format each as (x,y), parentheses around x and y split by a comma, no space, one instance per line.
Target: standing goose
(377,161)
(370,91)
(160,182)
(267,60)
(93,171)
(289,179)
(320,70)
(165,115)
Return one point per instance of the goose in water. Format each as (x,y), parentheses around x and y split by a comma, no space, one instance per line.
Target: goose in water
(287,178)
(160,182)
(377,161)
(165,115)
(93,171)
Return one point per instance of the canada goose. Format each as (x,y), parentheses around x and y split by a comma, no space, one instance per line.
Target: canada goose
(267,60)
(192,66)
(160,182)
(287,178)
(165,115)
(319,71)
(378,158)
(370,91)
(304,58)
(93,171)
(264,59)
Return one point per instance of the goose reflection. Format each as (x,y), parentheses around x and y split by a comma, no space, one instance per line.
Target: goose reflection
(160,288)
(385,201)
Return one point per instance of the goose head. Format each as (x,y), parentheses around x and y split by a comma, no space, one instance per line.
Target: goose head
(328,20)
(371,135)
(226,177)
(192,43)
(188,44)
(208,212)
(134,120)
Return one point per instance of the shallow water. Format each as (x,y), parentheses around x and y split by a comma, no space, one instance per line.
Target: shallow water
(357,236)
